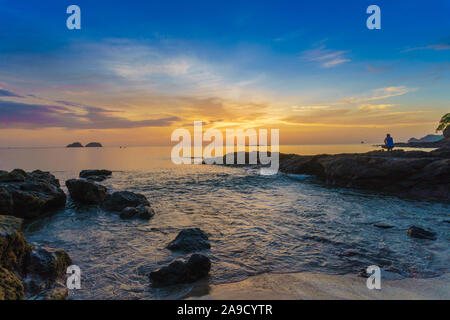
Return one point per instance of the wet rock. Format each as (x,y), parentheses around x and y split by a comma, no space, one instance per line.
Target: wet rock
(190,240)
(11,287)
(48,263)
(118,201)
(75,145)
(29,194)
(24,271)
(13,246)
(95,175)
(416,232)
(140,212)
(197,267)
(86,192)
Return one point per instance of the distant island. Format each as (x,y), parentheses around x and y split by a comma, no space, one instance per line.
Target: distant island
(428,138)
(75,145)
(89,145)
(94,145)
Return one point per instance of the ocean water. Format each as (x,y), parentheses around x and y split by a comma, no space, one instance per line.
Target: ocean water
(257,224)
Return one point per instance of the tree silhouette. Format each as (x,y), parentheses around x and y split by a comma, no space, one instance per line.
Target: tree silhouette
(444,123)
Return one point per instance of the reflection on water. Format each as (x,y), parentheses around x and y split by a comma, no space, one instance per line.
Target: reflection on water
(256,223)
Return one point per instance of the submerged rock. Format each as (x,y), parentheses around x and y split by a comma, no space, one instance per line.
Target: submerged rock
(96,175)
(190,240)
(197,267)
(86,192)
(75,145)
(119,200)
(48,263)
(416,232)
(29,194)
(140,212)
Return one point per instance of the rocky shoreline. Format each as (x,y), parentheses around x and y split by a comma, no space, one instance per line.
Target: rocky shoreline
(414,174)
(31,271)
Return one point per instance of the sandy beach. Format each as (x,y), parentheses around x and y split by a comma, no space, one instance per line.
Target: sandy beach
(314,286)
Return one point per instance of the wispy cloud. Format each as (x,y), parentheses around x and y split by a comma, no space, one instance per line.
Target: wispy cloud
(436,47)
(378,94)
(32,116)
(326,57)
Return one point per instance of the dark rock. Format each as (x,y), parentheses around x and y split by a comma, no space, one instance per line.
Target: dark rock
(13,246)
(86,192)
(29,195)
(417,174)
(197,267)
(145,212)
(75,145)
(128,213)
(24,271)
(140,212)
(48,263)
(190,240)
(94,145)
(118,201)
(95,175)
(11,287)
(383,226)
(416,232)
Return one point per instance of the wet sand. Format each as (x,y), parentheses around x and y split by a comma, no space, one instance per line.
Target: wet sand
(299,286)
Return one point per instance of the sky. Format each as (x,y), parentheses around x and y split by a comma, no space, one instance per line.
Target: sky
(136,71)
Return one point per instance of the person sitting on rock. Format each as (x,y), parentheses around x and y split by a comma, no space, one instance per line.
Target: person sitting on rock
(388,142)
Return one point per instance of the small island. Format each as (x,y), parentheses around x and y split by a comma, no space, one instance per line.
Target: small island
(94,145)
(75,145)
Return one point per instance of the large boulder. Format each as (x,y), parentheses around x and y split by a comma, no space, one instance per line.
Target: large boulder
(196,268)
(96,175)
(188,240)
(140,212)
(119,200)
(29,194)
(86,192)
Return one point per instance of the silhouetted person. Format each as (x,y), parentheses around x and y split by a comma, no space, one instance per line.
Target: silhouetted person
(388,142)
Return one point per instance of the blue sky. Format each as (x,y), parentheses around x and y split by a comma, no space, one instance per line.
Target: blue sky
(300,65)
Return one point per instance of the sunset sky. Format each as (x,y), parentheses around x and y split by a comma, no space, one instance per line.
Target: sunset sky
(136,71)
